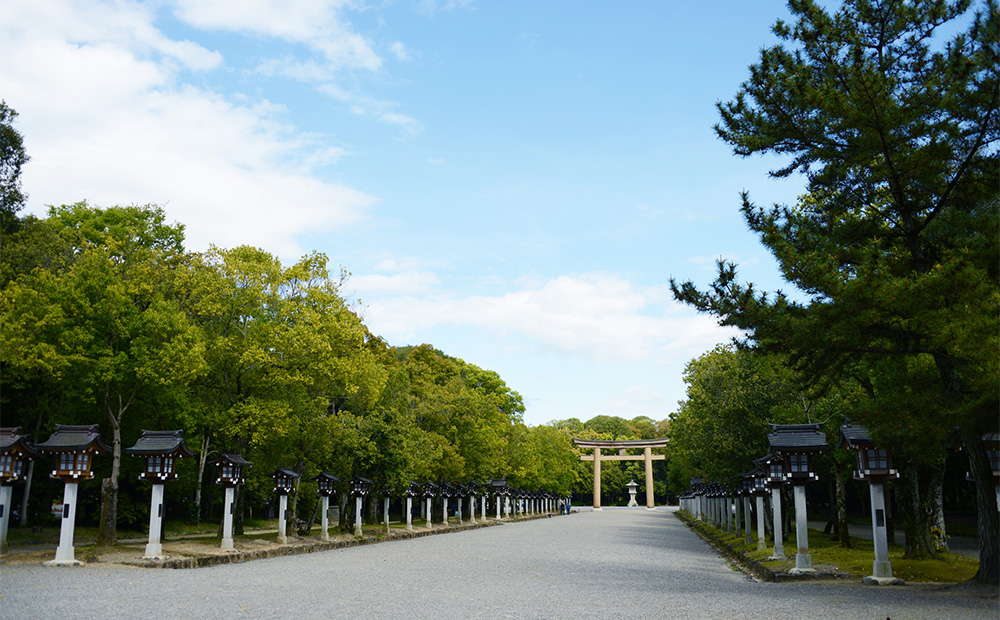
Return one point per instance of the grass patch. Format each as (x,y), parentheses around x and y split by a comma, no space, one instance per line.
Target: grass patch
(857,560)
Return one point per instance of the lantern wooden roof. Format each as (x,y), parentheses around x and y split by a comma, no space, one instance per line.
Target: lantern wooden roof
(68,438)
(160,443)
(232,459)
(413,490)
(788,438)
(326,477)
(13,442)
(284,472)
(855,437)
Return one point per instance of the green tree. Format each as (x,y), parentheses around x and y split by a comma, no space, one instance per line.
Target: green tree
(12,158)
(895,245)
(108,328)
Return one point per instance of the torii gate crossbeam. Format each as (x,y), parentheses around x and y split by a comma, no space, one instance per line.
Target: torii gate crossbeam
(646,444)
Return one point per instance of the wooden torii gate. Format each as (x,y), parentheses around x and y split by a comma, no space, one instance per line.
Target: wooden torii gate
(646,444)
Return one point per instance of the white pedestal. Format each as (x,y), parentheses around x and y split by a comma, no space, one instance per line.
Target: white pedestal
(5,497)
(227,518)
(803,561)
(154,548)
(324,520)
(65,555)
(779,547)
(357,516)
(385,513)
(282,519)
(409,513)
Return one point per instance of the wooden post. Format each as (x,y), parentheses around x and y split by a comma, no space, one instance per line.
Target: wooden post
(597,478)
(647,452)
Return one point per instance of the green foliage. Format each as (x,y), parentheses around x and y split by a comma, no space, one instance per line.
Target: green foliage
(895,244)
(107,319)
(12,158)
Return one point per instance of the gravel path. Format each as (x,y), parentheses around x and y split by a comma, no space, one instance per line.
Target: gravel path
(618,563)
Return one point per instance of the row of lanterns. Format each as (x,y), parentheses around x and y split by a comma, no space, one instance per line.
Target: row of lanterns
(75,447)
(790,461)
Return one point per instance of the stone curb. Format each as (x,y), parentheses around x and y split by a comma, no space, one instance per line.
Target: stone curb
(754,567)
(237,556)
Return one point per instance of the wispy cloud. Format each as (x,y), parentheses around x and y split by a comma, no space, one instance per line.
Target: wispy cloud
(602,317)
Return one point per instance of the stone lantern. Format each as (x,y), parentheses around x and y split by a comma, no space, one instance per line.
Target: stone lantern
(75,447)
(500,491)
(284,485)
(475,489)
(874,465)
(326,487)
(16,452)
(386,497)
(160,449)
(231,475)
(752,493)
(446,491)
(430,492)
(632,486)
(359,489)
(796,444)
(412,490)
(772,477)
(460,492)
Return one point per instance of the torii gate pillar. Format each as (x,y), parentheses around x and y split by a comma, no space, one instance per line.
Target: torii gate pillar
(647,455)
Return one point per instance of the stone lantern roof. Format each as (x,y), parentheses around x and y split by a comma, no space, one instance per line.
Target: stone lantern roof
(788,438)
(66,438)
(160,443)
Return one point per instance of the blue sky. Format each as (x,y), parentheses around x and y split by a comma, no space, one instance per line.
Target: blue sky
(511,182)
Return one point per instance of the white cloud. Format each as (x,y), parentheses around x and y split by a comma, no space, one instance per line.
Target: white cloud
(316,23)
(105,120)
(602,317)
(399,51)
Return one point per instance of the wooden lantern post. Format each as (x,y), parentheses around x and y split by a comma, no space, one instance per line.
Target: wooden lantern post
(796,444)
(446,492)
(412,490)
(386,497)
(500,490)
(430,492)
(231,475)
(774,477)
(326,487)
(460,492)
(284,485)
(75,447)
(874,465)
(359,489)
(16,452)
(160,449)
(473,488)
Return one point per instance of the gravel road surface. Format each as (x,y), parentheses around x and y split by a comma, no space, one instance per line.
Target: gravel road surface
(618,563)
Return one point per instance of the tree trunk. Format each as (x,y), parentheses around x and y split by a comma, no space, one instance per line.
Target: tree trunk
(202,460)
(987,521)
(27,492)
(935,506)
(843,532)
(913,512)
(107,533)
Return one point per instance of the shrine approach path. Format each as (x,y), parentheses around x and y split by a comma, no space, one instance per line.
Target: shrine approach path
(617,563)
